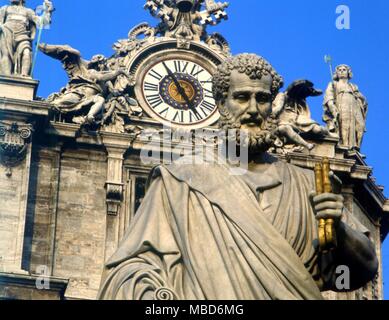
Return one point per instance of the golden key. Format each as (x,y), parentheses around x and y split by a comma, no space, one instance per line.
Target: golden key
(327,236)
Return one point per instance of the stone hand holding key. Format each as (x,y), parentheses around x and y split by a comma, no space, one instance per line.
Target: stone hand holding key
(328,205)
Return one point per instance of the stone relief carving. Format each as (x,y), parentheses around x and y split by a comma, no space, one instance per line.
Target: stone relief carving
(345,109)
(97,92)
(187,20)
(100,94)
(114,197)
(293,117)
(138,37)
(18,26)
(14,139)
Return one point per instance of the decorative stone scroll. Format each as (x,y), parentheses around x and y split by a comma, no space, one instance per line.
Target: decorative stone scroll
(14,139)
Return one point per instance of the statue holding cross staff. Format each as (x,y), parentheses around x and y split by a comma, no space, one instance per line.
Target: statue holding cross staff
(18,29)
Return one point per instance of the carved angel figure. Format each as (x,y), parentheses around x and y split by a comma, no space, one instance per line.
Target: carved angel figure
(90,83)
(293,114)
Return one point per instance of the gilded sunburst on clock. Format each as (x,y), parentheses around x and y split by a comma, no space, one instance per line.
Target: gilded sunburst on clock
(170,91)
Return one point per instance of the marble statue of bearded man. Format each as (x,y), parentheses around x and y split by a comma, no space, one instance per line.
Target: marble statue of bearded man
(203,233)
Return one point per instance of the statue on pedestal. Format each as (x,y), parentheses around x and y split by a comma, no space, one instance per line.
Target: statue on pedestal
(18,26)
(202,233)
(345,109)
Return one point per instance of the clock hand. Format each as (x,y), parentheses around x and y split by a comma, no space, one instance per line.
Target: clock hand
(181,91)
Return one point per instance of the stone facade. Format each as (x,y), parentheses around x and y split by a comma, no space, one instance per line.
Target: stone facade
(67,202)
(68,228)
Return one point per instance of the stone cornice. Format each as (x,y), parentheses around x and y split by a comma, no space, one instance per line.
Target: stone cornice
(61,129)
(15,107)
(56,284)
(386,206)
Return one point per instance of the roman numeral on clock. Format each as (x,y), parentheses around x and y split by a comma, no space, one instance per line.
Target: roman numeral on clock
(208,81)
(155,75)
(208,93)
(155,100)
(196,70)
(150,86)
(207,107)
(179,116)
(180,66)
(164,112)
(194,116)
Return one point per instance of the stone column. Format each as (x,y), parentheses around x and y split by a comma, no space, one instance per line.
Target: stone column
(15,163)
(19,113)
(116,146)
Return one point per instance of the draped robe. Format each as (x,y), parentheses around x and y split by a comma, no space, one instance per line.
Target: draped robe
(202,233)
(352,108)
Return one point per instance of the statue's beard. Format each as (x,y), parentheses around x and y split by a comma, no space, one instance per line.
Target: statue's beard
(256,139)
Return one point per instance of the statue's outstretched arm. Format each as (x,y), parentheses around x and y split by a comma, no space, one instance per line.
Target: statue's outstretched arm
(105,76)
(70,57)
(60,52)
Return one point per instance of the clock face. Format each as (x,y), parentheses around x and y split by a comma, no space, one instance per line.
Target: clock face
(178,93)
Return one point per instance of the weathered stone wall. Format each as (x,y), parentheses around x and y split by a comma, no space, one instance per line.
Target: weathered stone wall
(373,290)
(69,210)
(42,209)
(81,220)
(13,193)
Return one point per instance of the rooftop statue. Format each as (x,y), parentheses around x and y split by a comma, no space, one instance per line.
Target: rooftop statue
(345,109)
(188,19)
(18,26)
(294,116)
(90,84)
(202,233)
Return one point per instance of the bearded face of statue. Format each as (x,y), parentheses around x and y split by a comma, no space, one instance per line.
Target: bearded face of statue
(248,106)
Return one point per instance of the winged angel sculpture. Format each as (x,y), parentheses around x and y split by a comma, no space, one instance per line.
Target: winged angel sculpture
(97,90)
(293,117)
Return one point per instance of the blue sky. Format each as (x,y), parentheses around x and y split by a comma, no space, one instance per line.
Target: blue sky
(293,35)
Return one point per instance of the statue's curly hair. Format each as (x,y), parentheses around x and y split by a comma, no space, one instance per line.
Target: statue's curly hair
(97,59)
(252,65)
(349,70)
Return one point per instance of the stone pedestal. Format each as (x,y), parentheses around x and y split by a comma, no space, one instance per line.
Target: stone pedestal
(18,88)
